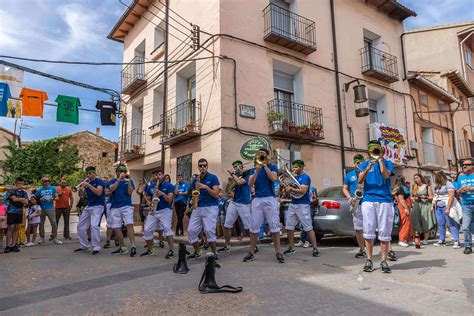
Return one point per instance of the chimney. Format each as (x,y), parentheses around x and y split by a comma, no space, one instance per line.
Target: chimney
(97,131)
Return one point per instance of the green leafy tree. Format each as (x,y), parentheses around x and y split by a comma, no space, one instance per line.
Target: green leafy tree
(53,158)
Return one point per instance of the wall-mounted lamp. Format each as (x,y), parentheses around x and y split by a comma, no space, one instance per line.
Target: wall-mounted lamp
(360,96)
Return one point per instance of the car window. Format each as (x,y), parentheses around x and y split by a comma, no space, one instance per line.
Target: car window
(335,192)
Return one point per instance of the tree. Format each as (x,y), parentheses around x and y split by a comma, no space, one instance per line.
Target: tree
(53,158)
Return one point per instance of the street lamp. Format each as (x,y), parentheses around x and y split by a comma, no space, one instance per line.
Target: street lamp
(360,96)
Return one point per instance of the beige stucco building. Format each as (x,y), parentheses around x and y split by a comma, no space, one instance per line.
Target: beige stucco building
(443,55)
(267,69)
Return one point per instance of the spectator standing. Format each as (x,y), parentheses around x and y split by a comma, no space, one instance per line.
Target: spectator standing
(3,220)
(465,187)
(17,200)
(63,206)
(422,216)
(47,194)
(402,194)
(180,202)
(33,214)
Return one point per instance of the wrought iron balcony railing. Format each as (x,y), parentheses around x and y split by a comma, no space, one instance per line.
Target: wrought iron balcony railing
(378,64)
(132,144)
(181,123)
(294,120)
(433,155)
(288,29)
(133,75)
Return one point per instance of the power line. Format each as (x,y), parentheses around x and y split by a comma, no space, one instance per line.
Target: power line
(55,105)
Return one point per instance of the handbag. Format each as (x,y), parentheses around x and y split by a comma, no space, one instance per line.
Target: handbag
(455,212)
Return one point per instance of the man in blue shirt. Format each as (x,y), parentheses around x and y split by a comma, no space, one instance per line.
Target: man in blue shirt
(180,202)
(17,200)
(377,206)
(300,209)
(121,209)
(264,205)
(205,215)
(159,197)
(465,187)
(240,205)
(48,194)
(350,185)
(90,216)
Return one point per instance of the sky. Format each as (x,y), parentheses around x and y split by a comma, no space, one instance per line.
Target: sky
(76,30)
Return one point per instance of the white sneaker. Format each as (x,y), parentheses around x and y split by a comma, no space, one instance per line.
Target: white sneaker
(299,244)
(41,241)
(439,243)
(403,244)
(411,243)
(425,242)
(456,245)
(57,241)
(29,244)
(306,244)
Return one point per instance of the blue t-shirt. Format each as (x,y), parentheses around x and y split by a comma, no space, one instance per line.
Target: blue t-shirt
(94,200)
(263,184)
(242,192)
(182,187)
(4,96)
(205,199)
(376,187)
(222,204)
(15,207)
(465,180)
(166,188)
(48,194)
(303,179)
(351,180)
(120,196)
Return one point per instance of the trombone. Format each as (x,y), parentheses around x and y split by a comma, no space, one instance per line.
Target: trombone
(77,187)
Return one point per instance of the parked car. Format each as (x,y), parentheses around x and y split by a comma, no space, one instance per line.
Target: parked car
(333,215)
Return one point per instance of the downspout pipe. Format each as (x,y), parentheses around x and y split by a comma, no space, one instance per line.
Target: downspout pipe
(338,89)
(165,79)
(403,57)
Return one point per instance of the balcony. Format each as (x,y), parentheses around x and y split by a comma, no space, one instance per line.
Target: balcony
(433,156)
(378,64)
(466,148)
(132,144)
(292,120)
(181,123)
(289,30)
(133,75)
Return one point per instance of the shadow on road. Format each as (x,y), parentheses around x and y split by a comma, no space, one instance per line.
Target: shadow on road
(419,264)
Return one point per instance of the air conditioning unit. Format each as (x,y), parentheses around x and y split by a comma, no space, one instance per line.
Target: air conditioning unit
(450,157)
(413,145)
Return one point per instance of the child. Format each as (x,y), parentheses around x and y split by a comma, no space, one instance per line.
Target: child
(33,215)
(17,200)
(3,221)
(222,210)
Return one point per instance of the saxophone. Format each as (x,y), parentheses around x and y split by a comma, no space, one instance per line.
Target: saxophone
(195,194)
(156,199)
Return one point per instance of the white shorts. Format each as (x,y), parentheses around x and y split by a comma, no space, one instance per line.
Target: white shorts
(203,218)
(109,215)
(265,208)
(357,219)
(301,213)
(378,216)
(233,211)
(163,219)
(124,213)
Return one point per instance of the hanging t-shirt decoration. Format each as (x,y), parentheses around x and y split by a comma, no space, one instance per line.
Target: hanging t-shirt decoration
(14,108)
(68,109)
(32,102)
(4,96)
(108,111)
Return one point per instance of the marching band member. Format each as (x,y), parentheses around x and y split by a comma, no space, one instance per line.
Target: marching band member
(350,184)
(377,206)
(264,205)
(300,209)
(121,209)
(90,216)
(240,205)
(180,203)
(205,215)
(161,214)
(108,216)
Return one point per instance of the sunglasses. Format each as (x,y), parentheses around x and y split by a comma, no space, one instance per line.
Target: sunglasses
(202,166)
(467,165)
(45,181)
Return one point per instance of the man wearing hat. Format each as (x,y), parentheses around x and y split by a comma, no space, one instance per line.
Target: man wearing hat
(350,185)
(121,209)
(240,205)
(300,209)
(90,216)
(47,194)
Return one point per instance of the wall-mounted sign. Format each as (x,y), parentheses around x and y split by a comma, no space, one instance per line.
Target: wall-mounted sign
(250,147)
(392,140)
(247,111)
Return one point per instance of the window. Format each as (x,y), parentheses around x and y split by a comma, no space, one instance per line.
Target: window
(159,38)
(184,166)
(442,106)
(373,114)
(104,154)
(423,97)
(157,105)
(468,57)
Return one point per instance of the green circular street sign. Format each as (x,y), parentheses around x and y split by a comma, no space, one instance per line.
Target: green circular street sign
(250,147)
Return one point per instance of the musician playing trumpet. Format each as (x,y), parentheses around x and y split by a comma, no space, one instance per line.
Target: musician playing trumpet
(240,205)
(300,209)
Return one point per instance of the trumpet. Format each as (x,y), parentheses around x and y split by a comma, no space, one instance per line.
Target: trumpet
(195,194)
(77,187)
(261,158)
(376,152)
(6,188)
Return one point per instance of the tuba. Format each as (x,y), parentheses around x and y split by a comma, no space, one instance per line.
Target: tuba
(288,180)
(376,152)
(195,193)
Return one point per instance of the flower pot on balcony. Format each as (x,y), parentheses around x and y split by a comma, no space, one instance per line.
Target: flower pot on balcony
(277,125)
(136,149)
(190,127)
(292,127)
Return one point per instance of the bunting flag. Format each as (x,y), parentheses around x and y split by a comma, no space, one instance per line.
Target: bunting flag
(68,109)
(32,102)
(108,112)
(4,96)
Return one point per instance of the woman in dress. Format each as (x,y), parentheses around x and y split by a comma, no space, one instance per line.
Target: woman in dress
(422,217)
